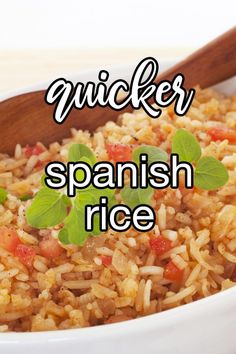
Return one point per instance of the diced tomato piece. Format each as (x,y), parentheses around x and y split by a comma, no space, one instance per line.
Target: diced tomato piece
(50,248)
(34,150)
(159,135)
(106,260)
(119,152)
(160,245)
(9,238)
(172,272)
(171,111)
(25,254)
(159,193)
(222,133)
(39,164)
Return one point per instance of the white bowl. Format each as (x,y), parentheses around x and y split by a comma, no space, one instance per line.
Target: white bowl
(205,326)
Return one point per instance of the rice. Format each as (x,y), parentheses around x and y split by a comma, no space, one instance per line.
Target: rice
(147,295)
(193,275)
(78,284)
(118,276)
(151,270)
(179,296)
(9,273)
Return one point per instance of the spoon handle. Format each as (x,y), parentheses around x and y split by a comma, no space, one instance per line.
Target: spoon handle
(211,64)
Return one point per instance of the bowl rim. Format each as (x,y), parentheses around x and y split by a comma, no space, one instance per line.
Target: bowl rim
(119,70)
(222,301)
(203,307)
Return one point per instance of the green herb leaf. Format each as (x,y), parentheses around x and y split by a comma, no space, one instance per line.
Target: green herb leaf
(44,176)
(186,146)
(83,199)
(25,197)
(91,196)
(210,173)
(66,200)
(134,197)
(154,154)
(80,174)
(49,208)
(75,226)
(112,201)
(97,193)
(63,236)
(42,180)
(79,151)
(3,195)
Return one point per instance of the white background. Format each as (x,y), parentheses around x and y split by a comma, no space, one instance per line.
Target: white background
(112,24)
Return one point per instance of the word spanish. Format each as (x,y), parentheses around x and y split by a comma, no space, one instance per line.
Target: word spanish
(80,175)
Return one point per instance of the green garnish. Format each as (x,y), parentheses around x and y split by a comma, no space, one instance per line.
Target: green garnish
(97,193)
(42,180)
(82,153)
(49,208)
(25,197)
(186,146)
(209,173)
(134,197)
(63,236)
(154,154)
(3,195)
(79,151)
(74,224)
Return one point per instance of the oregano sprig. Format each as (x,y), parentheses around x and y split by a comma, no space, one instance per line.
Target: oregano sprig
(186,146)
(3,195)
(209,173)
(50,207)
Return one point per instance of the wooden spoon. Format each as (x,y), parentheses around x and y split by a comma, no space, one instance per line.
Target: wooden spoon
(26,118)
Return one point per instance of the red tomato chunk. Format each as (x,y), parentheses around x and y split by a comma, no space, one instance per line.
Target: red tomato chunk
(8,239)
(119,152)
(33,150)
(106,260)
(160,245)
(50,248)
(222,133)
(172,272)
(39,164)
(25,254)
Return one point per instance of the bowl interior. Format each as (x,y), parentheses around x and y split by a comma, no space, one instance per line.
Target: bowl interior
(215,304)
